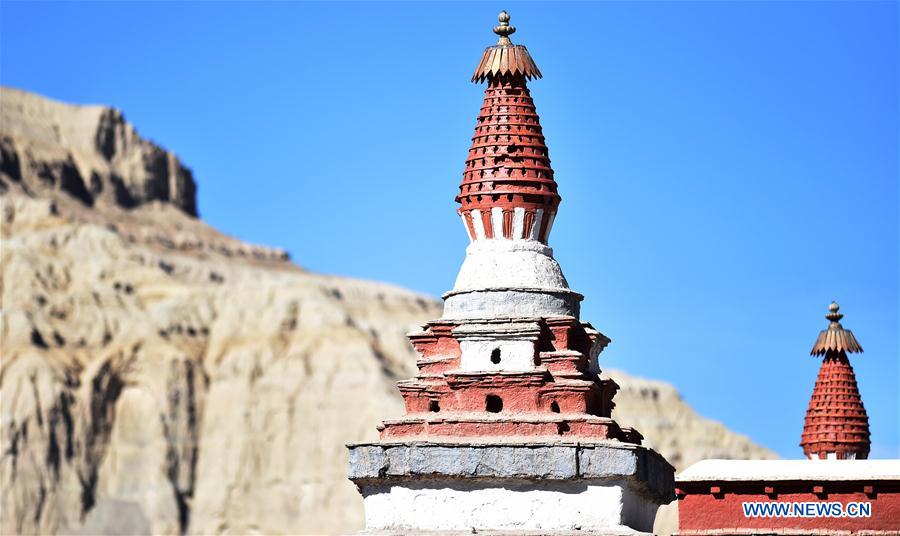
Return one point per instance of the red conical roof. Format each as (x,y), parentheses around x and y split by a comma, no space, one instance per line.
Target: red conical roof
(508,189)
(837,425)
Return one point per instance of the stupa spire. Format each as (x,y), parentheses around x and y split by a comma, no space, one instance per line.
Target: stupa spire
(836,425)
(508,189)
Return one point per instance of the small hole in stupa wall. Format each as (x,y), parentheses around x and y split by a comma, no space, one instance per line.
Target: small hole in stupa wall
(494,404)
(495,356)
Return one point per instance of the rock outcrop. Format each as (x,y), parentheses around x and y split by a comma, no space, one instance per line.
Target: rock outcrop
(88,152)
(160,377)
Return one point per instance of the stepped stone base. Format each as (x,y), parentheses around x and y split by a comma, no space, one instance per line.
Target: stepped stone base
(591,488)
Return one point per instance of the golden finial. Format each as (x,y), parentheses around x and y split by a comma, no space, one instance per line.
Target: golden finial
(505,58)
(504,30)
(835,338)
(833,313)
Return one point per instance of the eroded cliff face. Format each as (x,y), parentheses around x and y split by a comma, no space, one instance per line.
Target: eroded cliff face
(160,377)
(87,152)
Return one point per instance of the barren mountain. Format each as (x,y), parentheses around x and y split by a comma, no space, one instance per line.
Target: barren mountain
(160,377)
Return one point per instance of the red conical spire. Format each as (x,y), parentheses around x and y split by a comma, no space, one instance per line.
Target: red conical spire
(836,422)
(508,189)
(510,358)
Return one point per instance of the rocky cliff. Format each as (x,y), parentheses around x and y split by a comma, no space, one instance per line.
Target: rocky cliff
(88,152)
(160,377)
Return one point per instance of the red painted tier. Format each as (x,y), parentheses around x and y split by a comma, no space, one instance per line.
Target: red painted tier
(556,395)
(508,167)
(836,423)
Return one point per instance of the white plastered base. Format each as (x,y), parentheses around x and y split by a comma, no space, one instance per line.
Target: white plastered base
(560,506)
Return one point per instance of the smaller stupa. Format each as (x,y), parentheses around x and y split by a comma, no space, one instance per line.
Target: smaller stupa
(836,426)
(840,492)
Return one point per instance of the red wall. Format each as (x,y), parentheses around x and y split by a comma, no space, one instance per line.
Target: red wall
(700,511)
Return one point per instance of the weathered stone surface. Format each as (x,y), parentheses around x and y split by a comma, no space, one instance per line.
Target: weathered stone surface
(158,376)
(638,464)
(488,303)
(612,460)
(462,460)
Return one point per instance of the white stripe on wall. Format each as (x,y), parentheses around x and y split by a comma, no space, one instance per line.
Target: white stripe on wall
(497,221)
(518,222)
(479,225)
(536,228)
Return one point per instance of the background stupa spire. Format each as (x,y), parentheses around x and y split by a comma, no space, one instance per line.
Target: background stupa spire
(836,424)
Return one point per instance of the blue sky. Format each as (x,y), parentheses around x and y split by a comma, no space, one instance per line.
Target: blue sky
(727,169)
